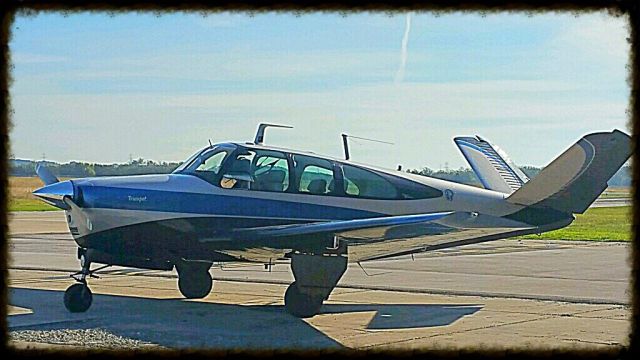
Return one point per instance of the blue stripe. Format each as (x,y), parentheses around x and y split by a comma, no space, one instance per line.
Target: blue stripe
(194,203)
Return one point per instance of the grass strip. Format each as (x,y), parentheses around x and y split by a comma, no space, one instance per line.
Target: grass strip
(596,224)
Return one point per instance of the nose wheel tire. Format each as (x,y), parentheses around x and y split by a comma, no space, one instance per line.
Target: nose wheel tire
(299,304)
(78,298)
(195,284)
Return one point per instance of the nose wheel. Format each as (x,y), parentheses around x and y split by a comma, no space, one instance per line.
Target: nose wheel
(78,298)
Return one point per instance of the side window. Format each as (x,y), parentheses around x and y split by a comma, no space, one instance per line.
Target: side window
(313,175)
(350,188)
(259,170)
(239,174)
(413,190)
(271,172)
(365,183)
(315,180)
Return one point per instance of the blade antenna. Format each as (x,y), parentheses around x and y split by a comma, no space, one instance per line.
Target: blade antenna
(345,143)
(260,133)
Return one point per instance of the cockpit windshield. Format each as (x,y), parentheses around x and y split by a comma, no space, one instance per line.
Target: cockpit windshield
(187,162)
(207,160)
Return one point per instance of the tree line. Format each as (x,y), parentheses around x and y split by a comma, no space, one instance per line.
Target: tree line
(141,166)
(81,169)
(466,176)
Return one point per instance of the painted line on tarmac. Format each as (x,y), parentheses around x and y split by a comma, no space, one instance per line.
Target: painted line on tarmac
(564,299)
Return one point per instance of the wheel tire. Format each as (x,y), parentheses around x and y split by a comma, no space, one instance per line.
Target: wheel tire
(195,284)
(78,298)
(299,304)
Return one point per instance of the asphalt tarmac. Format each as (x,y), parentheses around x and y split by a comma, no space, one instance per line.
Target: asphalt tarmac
(611,202)
(506,293)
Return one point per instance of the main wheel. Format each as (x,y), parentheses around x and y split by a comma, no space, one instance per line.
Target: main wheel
(78,298)
(195,284)
(299,304)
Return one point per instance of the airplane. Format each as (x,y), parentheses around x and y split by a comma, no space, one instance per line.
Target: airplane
(250,202)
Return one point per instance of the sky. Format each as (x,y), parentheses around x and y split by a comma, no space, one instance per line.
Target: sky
(102,88)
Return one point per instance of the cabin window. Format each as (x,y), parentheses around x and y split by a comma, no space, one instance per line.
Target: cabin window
(413,190)
(313,175)
(315,180)
(364,183)
(259,170)
(271,173)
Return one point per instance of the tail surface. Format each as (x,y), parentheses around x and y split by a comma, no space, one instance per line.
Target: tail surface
(577,177)
(493,167)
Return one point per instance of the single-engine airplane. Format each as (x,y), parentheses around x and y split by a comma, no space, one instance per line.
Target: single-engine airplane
(250,202)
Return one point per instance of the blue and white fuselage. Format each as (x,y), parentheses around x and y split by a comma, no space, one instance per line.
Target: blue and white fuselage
(183,212)
(249,202)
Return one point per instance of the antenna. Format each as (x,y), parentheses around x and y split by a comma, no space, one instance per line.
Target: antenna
(345,143)
(260,133)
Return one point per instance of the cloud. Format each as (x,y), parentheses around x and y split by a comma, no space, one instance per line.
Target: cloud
(233,66)
(403,54)
(420,119)
(511,100)
(580,89)
(599,35)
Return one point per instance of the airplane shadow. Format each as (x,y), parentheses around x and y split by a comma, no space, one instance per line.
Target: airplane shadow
(176,323)
(407,316)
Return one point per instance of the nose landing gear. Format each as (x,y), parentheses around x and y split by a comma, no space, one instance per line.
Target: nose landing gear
(78,297)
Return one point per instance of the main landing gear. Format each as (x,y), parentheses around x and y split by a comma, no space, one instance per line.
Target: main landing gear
(315,277)
(78,297)
(194,279)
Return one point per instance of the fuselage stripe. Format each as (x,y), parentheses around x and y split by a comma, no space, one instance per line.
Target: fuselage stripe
(212,204)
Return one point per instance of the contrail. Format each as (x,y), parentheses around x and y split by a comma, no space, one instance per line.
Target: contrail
(403,59)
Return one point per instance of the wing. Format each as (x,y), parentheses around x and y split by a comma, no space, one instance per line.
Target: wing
(378,238)
(335,228)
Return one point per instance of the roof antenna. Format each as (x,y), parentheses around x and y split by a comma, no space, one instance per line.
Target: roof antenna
(210,144)
(345,143)
(260,133)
